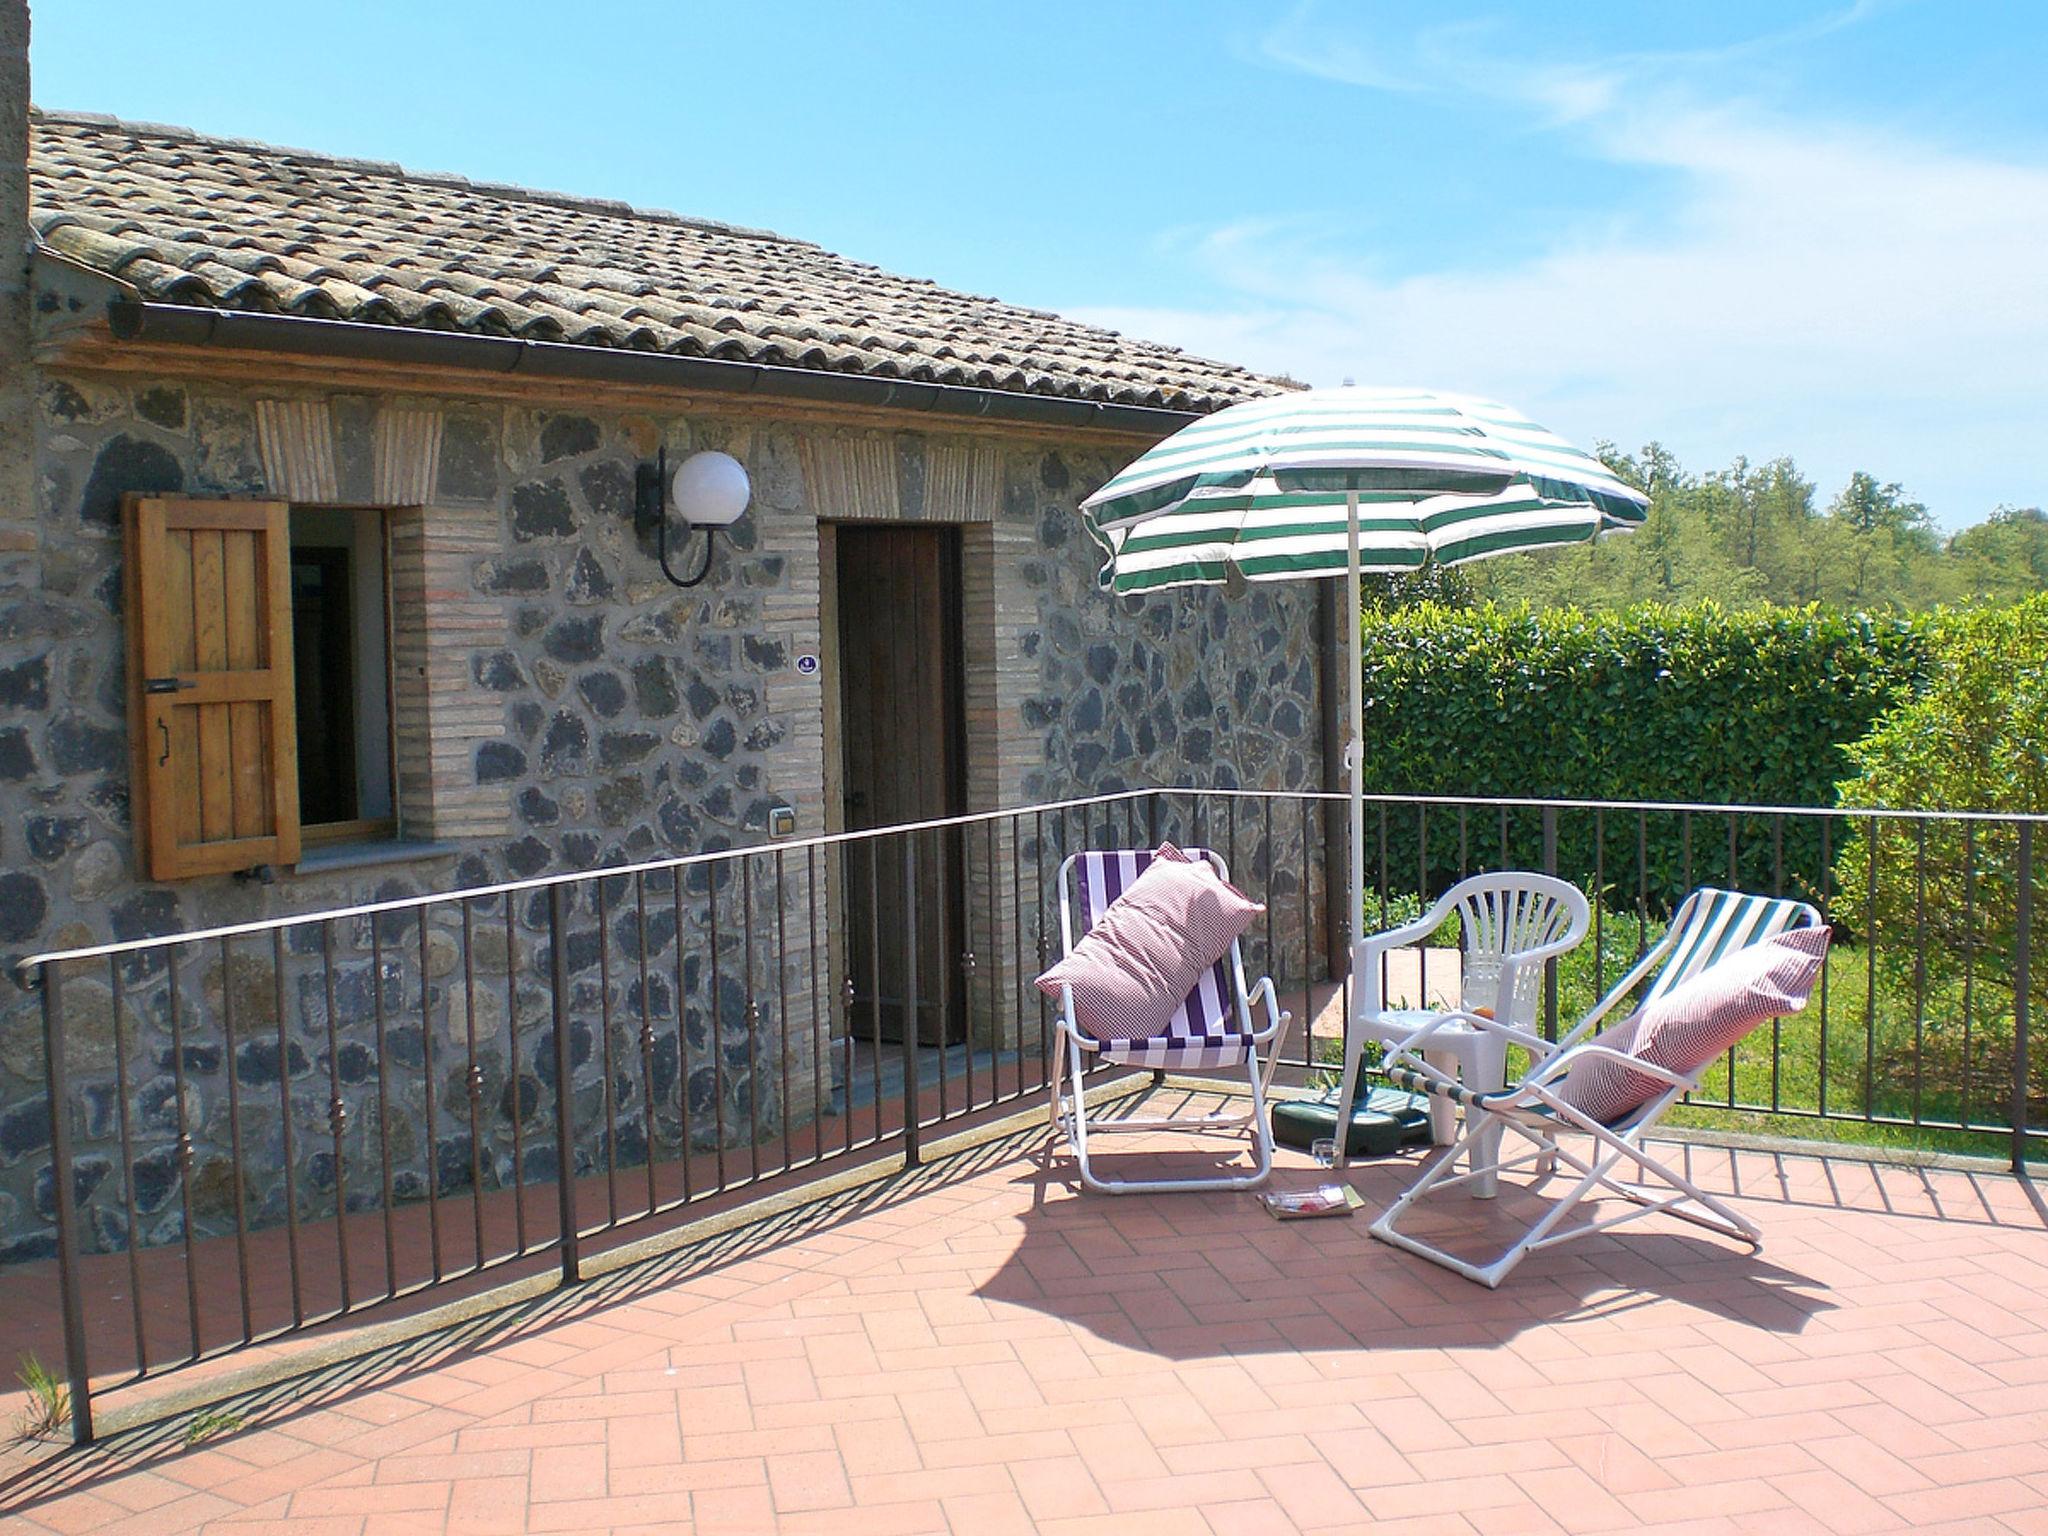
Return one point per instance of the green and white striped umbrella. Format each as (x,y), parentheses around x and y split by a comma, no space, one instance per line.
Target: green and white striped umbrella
(1340,481)
(1267,490)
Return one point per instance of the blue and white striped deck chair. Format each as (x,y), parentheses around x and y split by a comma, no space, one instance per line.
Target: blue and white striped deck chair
(1709,926)
(1213,1027)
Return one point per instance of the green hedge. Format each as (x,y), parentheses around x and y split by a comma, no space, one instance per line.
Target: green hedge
(1688,704)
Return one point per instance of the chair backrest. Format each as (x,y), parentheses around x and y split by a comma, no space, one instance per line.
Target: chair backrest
(1710,924)
(1215,1012)
(1510,914)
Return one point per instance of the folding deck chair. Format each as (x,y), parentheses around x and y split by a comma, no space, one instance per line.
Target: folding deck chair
(1709,927)
(1212,1028)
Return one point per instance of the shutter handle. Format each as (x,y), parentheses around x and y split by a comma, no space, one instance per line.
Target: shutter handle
(165,728)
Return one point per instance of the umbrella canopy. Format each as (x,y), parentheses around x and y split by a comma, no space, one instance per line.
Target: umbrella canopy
(1270,490)
(1264,533)
(1323,482)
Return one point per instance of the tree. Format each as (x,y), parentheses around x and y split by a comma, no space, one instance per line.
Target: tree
(1757,511)
(1653,468)
(1675,557)
(2005,557)
(1937,900)
(1891,534)
(1974,736)
(1869,507)
(1752,533)
(1444,586)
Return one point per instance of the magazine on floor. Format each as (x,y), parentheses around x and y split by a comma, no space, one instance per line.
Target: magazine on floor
(1322,1200)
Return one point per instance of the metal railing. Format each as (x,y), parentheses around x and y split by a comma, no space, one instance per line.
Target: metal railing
(1922,1018)
(262,1129)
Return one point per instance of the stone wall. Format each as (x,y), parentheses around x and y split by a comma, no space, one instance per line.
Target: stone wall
(17,381)
(1184,688)
(578,713)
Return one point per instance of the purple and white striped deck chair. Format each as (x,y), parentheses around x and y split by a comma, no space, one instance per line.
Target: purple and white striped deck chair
(1213,1027)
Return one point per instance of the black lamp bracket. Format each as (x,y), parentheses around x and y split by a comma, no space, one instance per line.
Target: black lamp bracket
(650,515)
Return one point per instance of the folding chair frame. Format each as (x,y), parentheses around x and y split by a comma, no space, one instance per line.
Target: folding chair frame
(1539,1118)
(1533,1112)
(1073,1046)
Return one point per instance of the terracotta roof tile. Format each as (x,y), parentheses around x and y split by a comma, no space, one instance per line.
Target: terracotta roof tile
(238,225)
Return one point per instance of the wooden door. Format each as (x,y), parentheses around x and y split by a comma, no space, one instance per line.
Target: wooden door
(903,753)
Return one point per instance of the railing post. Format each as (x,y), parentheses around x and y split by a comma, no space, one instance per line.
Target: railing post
(910,1022)
(1550,966)
(70,1298)
(2023,959)
(565,1129)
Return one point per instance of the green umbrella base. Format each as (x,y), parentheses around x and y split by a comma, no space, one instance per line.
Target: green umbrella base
(1383,1120)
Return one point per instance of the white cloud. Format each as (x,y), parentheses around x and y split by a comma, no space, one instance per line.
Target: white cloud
(1843,294)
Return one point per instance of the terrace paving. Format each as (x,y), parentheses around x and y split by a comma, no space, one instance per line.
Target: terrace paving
(978,1347)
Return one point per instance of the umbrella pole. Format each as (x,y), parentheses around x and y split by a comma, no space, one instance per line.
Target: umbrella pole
(1354,749)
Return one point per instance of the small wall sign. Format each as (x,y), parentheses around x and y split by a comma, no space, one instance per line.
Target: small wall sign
(807,664)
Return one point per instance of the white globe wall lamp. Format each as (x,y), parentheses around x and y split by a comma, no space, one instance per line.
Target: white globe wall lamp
(710,491)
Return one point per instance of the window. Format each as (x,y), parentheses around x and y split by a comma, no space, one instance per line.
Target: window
(259,681)
(341,648)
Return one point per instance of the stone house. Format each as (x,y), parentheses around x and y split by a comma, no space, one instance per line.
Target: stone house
(396,422)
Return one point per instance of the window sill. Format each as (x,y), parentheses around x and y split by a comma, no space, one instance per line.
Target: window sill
(397,850)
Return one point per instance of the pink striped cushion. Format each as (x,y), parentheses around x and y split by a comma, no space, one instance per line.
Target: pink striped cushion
(1606,1090)
(1693,1023)
(1132,970)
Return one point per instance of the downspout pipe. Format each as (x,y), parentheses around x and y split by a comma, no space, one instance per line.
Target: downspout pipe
(192,325)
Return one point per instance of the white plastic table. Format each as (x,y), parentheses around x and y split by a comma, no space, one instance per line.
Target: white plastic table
(1480,1061)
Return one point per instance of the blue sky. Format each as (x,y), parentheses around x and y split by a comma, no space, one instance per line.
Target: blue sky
(1738,228)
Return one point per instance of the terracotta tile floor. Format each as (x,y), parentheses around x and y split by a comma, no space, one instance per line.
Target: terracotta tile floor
(978,1348)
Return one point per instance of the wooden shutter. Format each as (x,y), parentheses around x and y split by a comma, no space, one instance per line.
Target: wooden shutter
(216,781)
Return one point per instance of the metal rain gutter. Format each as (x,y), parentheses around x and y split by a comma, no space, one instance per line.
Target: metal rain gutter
(242,330)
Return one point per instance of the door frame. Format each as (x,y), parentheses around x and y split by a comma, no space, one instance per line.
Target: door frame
(961,749)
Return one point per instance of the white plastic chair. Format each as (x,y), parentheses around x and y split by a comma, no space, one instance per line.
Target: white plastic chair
(1510,924)
(1708,927)
(1213,1027)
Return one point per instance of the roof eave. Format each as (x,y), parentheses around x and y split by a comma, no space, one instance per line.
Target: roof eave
(132,320)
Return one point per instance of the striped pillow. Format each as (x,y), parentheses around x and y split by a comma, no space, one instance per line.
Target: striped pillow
(1132,970)
(1694,1022)
(1605,1090)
